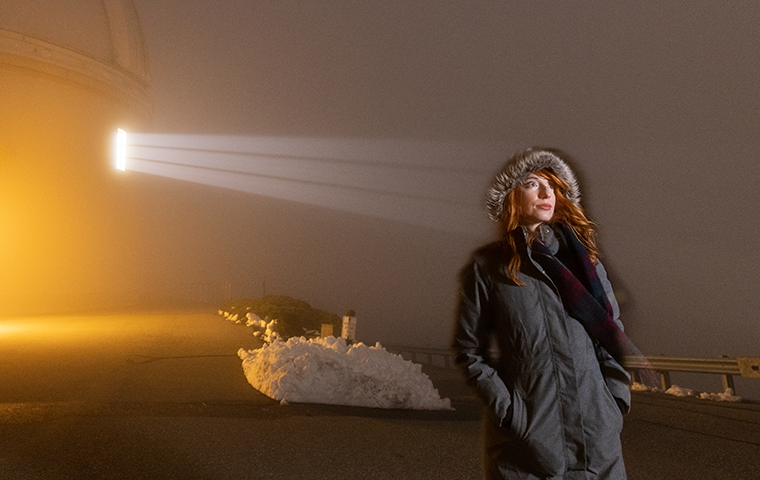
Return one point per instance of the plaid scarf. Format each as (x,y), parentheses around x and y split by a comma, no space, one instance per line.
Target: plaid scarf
(583,296)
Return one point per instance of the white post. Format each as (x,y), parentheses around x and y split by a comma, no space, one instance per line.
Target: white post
(349,326)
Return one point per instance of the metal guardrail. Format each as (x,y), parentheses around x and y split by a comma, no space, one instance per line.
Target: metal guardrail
(726,367)
(445,355)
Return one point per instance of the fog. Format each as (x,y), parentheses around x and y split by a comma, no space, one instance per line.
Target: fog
(657,105)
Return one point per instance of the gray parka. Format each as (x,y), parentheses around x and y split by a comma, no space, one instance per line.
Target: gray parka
(554,399)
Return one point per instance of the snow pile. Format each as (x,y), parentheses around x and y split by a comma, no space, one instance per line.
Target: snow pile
(328,371)
(640,387)
(232,317)
(727,396)
(680,392)
(265,328)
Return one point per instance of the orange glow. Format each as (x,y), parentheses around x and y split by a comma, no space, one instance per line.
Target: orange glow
(65,223)
(64,328)
(11,328)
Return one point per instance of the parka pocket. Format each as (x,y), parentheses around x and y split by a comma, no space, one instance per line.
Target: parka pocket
(613,410)
(519,415)
(618,414)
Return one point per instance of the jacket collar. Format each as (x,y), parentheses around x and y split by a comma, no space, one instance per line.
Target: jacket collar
(547,235)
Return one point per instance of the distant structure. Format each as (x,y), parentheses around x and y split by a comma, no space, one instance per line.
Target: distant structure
(71,73)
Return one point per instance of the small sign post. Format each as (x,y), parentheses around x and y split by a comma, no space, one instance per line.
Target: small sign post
(349,326)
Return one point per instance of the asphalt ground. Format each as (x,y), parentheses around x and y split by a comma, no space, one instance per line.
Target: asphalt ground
(163,396)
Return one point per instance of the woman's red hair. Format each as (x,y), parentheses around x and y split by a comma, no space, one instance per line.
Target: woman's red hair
(564,211)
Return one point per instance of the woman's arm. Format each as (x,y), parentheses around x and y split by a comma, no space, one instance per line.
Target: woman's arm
(615,376)
(472,336)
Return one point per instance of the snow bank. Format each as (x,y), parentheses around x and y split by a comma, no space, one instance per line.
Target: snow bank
(640,387)
(230,316)
(677,391)
(328,371)
(265,328)
(727,396)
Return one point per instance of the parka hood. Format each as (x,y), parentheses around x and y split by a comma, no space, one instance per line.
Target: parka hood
(518,167)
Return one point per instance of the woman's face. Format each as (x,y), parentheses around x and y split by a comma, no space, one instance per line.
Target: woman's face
(537,201)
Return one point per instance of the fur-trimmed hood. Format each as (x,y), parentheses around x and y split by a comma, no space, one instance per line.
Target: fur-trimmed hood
(518,167)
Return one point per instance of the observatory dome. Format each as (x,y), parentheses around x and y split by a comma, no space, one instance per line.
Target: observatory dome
(72,72)
(97,43)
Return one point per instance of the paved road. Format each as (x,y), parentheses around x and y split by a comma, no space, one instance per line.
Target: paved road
(162,396)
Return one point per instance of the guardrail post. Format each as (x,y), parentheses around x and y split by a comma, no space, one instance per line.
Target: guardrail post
(728,382)
(665,380)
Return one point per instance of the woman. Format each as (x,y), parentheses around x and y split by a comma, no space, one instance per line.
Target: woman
(555,397)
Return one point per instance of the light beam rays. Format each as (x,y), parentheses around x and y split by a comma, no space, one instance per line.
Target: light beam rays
(420,183)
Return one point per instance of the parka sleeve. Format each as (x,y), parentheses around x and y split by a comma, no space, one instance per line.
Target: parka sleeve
(472,337)
(615,376)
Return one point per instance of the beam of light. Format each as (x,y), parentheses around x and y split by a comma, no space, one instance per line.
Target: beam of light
(429,184)
(121,150)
